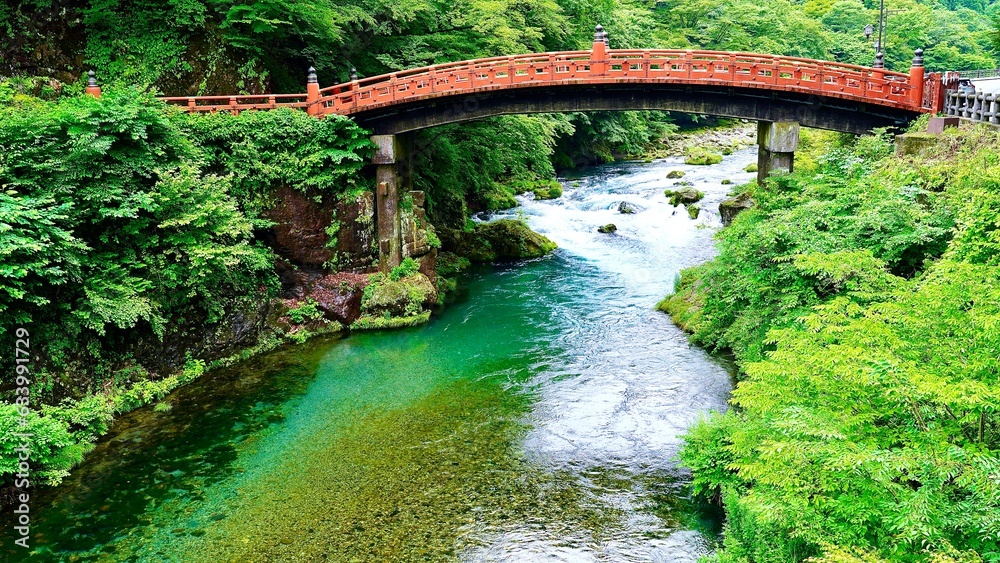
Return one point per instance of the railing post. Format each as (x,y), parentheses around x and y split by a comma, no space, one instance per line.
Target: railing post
(312,93)
(92,88)
(355,95)
(917,78)
(599,52)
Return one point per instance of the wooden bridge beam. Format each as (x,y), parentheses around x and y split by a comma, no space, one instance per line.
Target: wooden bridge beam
(392,177)
(776,146)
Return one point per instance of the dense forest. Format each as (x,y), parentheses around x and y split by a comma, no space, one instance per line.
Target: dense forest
(125,224)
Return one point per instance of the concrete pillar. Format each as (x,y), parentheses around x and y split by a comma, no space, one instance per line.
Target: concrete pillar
(776,145)
(392,177)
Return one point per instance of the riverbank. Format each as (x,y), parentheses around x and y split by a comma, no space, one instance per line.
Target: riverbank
(849,295)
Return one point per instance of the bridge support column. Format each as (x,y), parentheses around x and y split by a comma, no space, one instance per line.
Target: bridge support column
(392,175)
(776,145)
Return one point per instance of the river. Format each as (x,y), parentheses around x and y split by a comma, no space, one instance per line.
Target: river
(537,418)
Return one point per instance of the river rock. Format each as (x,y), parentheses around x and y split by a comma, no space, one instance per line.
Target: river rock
(675,174)
(684,196)
(607,229)
(625,208)
(503,239)
(693,210)
(731,207)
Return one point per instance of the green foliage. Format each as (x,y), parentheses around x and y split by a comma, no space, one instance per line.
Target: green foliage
(263,150)
(306,311)
(863,309)
(406,268)
(432,239)
(463,165)
(109,224)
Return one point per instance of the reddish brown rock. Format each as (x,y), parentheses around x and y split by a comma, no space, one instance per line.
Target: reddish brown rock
(337,295)
(300,230)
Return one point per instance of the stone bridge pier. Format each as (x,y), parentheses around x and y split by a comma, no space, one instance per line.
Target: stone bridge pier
(777,142)
(392,178)
(401,228)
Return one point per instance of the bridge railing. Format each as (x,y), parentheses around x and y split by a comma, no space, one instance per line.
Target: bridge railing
(647,66)
(239,103)
(977,106)
(915,92)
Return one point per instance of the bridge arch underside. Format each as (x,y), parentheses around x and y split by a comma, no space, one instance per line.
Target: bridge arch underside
(810,110)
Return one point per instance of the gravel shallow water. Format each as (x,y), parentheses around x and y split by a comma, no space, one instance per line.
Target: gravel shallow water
(537,419)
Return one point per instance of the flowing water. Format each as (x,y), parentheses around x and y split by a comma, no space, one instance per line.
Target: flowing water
(538,418)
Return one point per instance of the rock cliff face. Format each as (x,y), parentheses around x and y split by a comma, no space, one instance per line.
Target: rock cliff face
(313,234)
(328,250)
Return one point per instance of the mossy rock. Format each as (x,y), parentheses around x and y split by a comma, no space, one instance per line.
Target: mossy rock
(607,229)
(500,200)
(406,297)
(625,208)
(731,207)
(550,189)
(684,196)
(751,168)
(702,157)
(727,182)
(384,323)
(675,174)
(503,239)
(693,210)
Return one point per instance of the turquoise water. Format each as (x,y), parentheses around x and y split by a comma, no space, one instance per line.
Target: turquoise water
(536,418)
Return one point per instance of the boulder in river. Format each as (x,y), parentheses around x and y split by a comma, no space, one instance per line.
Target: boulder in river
(674,174)
(503,239)
(693,210)
(607,229)
(683,196)
(625,208)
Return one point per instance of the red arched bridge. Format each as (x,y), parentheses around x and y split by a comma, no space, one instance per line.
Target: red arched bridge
(779,92)
(823,94)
